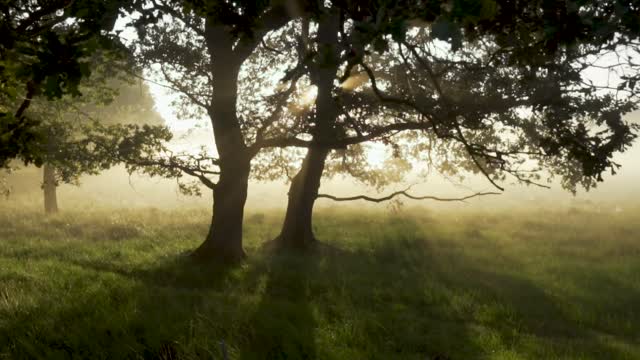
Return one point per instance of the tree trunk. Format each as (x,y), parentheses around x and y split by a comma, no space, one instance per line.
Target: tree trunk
(224,240)
(49,187)
(297,230)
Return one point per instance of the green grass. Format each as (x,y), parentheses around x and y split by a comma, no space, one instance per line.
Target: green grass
(504,285)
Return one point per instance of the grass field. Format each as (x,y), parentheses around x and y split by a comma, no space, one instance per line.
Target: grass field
(110,284)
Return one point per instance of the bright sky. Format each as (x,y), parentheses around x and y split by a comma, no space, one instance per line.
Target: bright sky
(192,134)
(164,97)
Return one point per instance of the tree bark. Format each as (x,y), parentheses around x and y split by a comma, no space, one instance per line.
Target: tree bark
(297,229)
(49,187)
(224,240)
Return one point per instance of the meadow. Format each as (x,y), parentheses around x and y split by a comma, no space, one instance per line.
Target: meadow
(410,284)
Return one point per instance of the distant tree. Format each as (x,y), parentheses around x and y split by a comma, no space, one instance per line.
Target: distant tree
(70,126)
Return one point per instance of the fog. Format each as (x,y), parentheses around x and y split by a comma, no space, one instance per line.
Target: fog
(116,188)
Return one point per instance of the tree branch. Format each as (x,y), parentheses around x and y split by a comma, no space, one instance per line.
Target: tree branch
(193,97)
(31,92)
(272,19)
(406,194)
(172,164)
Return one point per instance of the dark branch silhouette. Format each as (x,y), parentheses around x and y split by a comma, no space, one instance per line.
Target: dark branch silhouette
(405,193)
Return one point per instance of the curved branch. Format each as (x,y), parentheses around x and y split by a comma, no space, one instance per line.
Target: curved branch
(31,92)
(406,194)
(187,170)
(193,97)
(269,48)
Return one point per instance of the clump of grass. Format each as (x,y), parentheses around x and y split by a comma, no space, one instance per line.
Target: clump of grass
(465,285)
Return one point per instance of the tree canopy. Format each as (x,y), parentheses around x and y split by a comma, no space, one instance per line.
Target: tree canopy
(46,49)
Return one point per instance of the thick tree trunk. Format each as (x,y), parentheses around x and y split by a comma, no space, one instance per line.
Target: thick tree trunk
(49,187)
(224,240)
(297,230)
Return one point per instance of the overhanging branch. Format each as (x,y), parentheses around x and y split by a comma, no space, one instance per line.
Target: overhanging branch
(405,193)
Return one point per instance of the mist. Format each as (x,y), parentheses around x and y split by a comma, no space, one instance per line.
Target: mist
(117,188)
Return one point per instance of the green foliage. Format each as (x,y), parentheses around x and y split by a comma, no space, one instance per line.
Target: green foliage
(50,44)
(18,136)
(504,59)
(530,284)
(114,120)
(46,49)
(50,57)
(486,111)
(102,147)
(508,98)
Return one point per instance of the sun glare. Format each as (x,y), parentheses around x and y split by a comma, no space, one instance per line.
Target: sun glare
(354,81)
(308,97)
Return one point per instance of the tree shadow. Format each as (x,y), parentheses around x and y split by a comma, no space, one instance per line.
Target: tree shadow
(404,295)
(135,312)
(515,306)
(283,324)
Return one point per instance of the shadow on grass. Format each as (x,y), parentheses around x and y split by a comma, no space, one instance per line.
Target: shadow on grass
(401,296)
(283,324)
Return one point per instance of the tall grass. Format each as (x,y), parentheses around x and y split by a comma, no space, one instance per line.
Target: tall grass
(113,283)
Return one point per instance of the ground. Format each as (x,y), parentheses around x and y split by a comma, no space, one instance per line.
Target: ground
(517,284)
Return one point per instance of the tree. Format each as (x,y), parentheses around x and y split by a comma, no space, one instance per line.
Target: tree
(519,36)
(199,50)
(304,186)
(68,123)
(531,90)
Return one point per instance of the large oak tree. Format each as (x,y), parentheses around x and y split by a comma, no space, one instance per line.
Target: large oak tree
(514,104)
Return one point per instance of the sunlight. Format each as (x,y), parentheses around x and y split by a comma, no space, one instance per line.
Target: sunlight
(163,105)
(354,81)
(308,97)
(391,179)
(304,100)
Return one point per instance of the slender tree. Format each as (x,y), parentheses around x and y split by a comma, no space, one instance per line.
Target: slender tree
(297,230)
